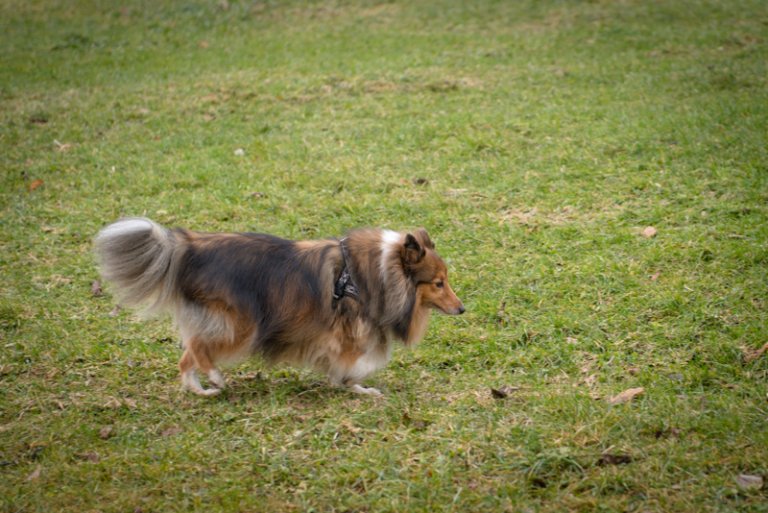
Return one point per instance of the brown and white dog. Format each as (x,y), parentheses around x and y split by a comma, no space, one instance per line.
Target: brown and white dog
(334,305)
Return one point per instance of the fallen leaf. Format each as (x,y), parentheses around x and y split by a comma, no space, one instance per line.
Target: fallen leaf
(501,314)
(36,184)
(171,431)
(749,482)
(35,473)
(203,44)
(58,279)
(113,403)
(61,146)
(590,380)
(614,459)
(665,433)
(38,119)
(757,353)
(106,432)
(649,231)
(96,288)
(89,456)
(130,403)
(655,276)
(626,395)
(504,391)
(349,426)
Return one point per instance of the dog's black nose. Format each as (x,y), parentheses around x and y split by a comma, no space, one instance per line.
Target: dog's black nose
(461,309)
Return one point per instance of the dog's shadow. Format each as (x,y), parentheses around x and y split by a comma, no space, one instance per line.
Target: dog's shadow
(284,386)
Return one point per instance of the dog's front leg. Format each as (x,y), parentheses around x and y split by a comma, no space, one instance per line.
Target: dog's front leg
(359,389)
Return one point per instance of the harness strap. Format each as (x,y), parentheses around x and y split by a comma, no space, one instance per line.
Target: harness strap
(344,286)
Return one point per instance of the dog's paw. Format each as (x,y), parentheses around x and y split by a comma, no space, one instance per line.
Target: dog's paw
(217,379)
(209,392)
(358,389)
(190,382)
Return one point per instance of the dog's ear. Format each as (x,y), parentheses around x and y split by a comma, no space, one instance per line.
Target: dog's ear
(423,236)
(412,250)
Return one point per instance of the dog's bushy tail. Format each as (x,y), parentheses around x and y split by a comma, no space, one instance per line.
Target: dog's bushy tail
(140,258)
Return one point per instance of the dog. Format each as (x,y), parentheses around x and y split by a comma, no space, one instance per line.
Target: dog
(334,305)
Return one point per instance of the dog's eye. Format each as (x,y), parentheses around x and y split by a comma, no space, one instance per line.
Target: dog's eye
(439,284)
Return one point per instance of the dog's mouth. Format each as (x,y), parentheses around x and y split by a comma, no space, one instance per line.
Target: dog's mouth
(458,310)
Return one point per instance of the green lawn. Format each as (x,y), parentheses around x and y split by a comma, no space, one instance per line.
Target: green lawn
(535,140)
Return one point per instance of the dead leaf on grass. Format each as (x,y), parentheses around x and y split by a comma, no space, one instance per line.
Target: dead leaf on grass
(614,459)
(171,431)
(60,146)
(749,482)
(89,456)
(106,432)
(501,314)
(626,395)
(503,391)
(113,403)
(649,231)
(35,474)
(36,184)
(38,118)
(757,353)
(667,433)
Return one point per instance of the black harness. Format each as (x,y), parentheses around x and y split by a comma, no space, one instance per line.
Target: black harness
(344,286)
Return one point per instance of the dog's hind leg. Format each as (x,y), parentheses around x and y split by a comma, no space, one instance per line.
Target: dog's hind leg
(195,357)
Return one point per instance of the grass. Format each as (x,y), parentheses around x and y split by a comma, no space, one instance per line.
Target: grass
(535,140)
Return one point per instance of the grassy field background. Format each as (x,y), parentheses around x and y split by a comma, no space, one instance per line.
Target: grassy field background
(536,140)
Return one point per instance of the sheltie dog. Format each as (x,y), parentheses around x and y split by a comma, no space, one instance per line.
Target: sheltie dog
(335,305)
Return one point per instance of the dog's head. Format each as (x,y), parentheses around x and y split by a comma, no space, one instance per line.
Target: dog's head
(428,271)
